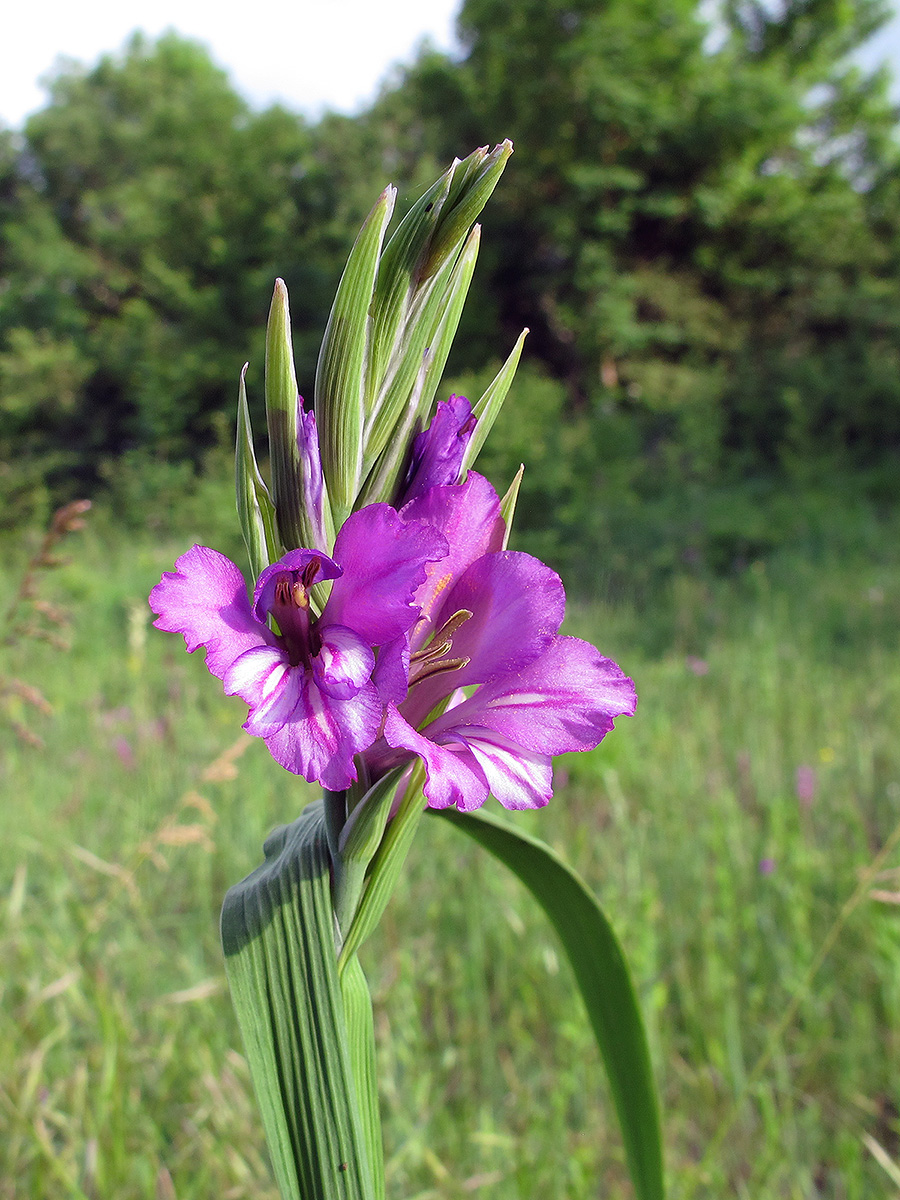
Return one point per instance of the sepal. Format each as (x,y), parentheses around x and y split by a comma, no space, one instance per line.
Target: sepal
(423,276)
(359,840)
(508,504)
(436,335)
(472,182)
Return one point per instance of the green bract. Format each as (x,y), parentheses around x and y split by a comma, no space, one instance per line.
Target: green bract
(394,318)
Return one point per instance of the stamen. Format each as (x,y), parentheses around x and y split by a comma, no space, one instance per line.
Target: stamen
(437,667)
(292,612)
(430,660)
(290,593)
(451,625)
(431,651)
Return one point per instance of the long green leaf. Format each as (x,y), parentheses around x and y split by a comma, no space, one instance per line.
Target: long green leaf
(278,938)
(603,978)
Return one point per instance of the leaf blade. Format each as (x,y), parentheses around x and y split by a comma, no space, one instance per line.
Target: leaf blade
(278,939)
(604,981)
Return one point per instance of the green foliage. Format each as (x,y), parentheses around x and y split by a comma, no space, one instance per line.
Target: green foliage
(690,222)
(601,973)
(150,213)
(278,939)
(699,226)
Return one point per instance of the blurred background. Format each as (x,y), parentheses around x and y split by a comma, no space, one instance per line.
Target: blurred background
(700,226)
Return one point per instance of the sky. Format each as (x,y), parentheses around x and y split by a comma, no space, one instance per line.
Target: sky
(307,54)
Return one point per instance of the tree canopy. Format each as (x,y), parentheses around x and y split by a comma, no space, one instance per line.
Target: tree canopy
(700,227)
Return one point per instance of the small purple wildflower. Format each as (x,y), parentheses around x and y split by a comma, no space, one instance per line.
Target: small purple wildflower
(766,866)
(805,784)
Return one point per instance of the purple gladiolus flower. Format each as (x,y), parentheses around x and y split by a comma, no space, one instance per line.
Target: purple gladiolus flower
(490,622)
(434,642)
(313,690)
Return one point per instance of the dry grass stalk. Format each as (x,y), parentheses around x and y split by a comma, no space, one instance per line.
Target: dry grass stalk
(31,617)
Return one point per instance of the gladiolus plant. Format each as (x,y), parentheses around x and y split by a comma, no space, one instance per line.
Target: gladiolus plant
(393,649)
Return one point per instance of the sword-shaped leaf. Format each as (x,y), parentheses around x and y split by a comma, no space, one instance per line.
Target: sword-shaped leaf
(278,938)
(603,979)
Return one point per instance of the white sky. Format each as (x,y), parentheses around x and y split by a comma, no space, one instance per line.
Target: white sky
(308,54)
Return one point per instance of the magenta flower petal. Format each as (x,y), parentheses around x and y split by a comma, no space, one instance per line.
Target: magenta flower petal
(391,674)
(343,664)
(517,605)
(517,777)
(566,699)
(469,518)
(453,776)
(437,454)
(383,557)
(323,735)
(309,688)
(205,599)
(295,560)
(265,679)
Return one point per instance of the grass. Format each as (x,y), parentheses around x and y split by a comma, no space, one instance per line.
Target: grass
(121,1073)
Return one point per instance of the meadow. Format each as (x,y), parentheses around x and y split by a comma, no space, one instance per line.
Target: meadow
(741,830)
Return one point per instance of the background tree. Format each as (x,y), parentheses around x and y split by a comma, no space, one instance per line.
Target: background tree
(152,210)
(700,227)
(694,225)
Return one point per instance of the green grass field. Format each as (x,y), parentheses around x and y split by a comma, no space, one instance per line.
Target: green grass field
(757,920)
